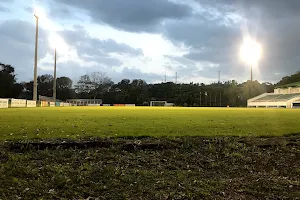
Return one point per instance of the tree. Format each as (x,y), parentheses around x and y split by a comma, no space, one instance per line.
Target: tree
(100,83)
(84,86)
(64,88)
(8,86)
(93,85)
(289,79)
(45,85)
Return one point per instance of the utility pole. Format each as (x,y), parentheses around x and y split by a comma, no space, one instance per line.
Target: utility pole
(54,80)
(251,82)
(35,59)
(219,77)
(251,74)
(176,78)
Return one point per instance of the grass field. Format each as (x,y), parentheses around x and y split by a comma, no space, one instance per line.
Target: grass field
(78,122)
(189,153)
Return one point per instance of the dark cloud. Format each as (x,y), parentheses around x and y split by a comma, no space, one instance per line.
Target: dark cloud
(75,70)
(135,73)
(275,24)
(130,15)
(93,49)
(17,47)
(212,31)
(93,46)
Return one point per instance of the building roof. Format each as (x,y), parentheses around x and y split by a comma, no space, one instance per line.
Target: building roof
(296,84)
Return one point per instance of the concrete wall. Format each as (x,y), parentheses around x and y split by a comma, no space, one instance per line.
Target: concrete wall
(4,103)
(31,104)
(290,90)
(18,103)
(266,104)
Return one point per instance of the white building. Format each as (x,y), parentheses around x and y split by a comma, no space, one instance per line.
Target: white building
(287,96)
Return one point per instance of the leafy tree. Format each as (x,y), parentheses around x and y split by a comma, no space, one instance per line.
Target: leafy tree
(289,79)
(45,85)
(8,86)
(84,86)
(64,88)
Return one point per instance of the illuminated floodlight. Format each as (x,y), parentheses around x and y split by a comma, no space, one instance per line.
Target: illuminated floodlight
(39,12)
(57,43)
(250,51)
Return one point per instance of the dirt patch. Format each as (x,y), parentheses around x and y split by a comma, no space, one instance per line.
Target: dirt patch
(152,168)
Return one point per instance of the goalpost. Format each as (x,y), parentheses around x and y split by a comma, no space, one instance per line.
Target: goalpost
(161,103)
(158,103)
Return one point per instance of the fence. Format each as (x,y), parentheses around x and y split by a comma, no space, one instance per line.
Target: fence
(18,103)
(31,104)
(22,103)
(4,103)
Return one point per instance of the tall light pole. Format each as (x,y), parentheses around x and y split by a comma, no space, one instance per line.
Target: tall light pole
(250,52)
(54,80)
(58,44)
(35,59)
(251,74)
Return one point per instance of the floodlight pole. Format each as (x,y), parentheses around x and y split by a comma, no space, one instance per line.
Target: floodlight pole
(35,60)
(251,83)
(54,79)
(251,75)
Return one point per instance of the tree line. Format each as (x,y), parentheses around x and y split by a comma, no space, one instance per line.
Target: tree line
(97,85)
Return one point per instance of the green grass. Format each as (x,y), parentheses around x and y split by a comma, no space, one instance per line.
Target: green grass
(79,122)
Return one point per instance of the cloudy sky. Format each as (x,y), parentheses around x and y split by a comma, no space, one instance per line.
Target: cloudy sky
(148,39)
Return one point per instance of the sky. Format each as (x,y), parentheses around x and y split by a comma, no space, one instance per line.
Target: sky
(151,39)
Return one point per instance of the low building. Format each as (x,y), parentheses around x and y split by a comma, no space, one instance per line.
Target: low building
(286,96)
(85,102)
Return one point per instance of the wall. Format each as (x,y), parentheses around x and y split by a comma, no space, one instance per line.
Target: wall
(44,104)
(31,104)
(18,103)
(4,103)
(257,104)
(290,90)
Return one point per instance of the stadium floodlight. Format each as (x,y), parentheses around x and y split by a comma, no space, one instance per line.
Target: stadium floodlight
(250,52)
(57,43)
(38,13)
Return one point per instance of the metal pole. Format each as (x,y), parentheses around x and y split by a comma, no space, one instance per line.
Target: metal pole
(251,74)
(54,79)
(251,83)
(35,60)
